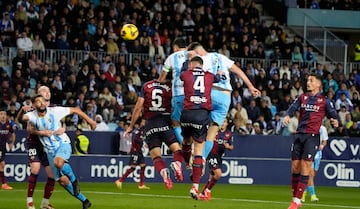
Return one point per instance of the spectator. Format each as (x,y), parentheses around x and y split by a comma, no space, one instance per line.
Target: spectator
(309,55)
(112,46)
(156,50)
(253,110)
(342,114)
(356,113)
(249,127)
(296,55)
(354,130)
(125,141)
(239,127)
(257,129)
(329,82)
(81,143)
(348,123)
(38,44)
(296,90)
(343,90)
(343,101)
(100,124)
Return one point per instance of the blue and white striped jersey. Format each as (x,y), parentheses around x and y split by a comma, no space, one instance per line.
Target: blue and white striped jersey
(213,62)
(174,63)
(51,121)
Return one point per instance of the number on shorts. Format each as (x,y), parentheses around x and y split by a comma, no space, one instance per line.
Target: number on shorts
(32,152)
(135,157)
(199,84)
(156,99)
(213,161)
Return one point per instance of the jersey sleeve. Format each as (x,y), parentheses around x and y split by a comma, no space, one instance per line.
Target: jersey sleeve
(331,111)
(226,62)
(294,106)
(61,112)
(142,92)
(167,64)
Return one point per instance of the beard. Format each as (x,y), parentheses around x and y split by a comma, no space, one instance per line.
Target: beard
(41,110)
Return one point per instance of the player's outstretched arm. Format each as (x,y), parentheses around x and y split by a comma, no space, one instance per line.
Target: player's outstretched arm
(254,91)
(84,116)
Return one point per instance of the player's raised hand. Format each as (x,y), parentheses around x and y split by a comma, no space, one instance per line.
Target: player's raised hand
(255,92)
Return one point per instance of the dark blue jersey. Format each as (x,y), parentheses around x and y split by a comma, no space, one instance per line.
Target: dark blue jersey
(312,109)
(137,140)
(222,137)
(5,131)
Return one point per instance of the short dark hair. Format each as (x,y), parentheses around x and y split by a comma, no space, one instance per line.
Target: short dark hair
(317,76)
(193,45)
(180,42)
(35,97)
(197,59)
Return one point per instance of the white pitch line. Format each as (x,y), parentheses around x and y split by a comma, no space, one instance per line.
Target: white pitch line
(187,197)
(227,199)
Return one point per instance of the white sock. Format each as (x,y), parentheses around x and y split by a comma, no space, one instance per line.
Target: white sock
(45,201)
(29,199)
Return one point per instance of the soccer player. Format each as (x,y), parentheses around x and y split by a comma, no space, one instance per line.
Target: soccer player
(315,166)
(313,108)
(221,91)
(56,143)
(136,157)
(6,132)
(223,142)
(195,117)
(36,158)
(155,99)
(174,63)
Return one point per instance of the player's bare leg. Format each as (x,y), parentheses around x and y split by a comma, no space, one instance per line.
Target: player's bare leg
(160,166)
(214,176)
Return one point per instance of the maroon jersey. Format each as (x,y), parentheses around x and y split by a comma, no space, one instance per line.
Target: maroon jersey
(222,137)
(5,131)
(312,111)
(157,98)
(137,140)
(197,89)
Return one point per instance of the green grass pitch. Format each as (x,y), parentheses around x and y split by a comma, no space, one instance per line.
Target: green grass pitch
(225,196)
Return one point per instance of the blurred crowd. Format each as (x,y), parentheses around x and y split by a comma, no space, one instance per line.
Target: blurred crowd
(107,88)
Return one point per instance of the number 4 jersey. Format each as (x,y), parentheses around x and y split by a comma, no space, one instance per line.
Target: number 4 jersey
(157,98)
(197,89)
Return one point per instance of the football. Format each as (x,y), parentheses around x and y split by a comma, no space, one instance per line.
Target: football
(129,32)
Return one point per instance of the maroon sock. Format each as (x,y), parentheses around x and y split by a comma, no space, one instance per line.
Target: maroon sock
(197,169)
(49,188)
(31,184)
(2,177)
(159,164)
(128,171)
(301,186)
(178,156)
(295,178)
(186,152)
(142,175)
(206,185)
(212,183)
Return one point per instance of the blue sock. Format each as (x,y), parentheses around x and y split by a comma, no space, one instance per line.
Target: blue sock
(311,190)
(67,170)
(178,135)
(208,146)
(70,189)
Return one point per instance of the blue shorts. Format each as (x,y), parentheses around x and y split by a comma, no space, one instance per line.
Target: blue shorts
(177,103)
(220,104)
(64,151)
(316,163)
